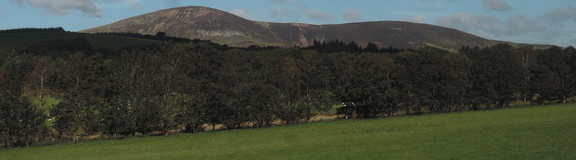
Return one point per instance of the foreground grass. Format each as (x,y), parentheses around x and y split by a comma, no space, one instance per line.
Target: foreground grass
(540,132)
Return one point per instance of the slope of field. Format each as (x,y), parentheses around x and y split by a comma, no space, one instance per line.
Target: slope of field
(97,41)
(539,132)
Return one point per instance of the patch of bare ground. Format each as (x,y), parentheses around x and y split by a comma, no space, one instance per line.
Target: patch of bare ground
(202,12)
(171,13)
(323,117)
(319,117)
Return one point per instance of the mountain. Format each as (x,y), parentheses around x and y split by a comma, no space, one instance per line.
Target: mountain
(196,22)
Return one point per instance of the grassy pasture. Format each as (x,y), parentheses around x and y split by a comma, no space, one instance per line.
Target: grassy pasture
(47,103)
(536,132)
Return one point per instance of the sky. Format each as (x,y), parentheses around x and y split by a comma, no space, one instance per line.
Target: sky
(523,21)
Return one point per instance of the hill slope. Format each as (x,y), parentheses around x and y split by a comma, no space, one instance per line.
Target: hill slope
(540,132)
(225,28)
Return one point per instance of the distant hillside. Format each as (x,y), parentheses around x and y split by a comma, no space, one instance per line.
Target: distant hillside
(222,27)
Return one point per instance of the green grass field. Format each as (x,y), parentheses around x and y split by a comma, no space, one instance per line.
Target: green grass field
(48,103)
(538,132)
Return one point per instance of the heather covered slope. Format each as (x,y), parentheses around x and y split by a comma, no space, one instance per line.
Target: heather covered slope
(222,27)
(195,22)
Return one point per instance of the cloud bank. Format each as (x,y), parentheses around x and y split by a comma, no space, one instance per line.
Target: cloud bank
(559,17)
(417,19)
(320,16)
(496,5)
(64,7)
(545,28)
(241,13)
(353,16)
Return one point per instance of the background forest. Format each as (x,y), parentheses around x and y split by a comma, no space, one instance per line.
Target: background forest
(181,86)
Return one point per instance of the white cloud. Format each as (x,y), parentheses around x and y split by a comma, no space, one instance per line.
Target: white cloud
(515,28)
(65,6)
(353,16)
(276,13)
(515,25)
(172,3)
(2,16)
(291,3)
(496,5)
(318,15)
(417,19)
(133,2)
(468,22)
(560,16)
(240,12)
(282,15)
(118,3)
(284,1)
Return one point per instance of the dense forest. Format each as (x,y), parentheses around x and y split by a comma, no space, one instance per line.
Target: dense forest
(181,86)
(33,30)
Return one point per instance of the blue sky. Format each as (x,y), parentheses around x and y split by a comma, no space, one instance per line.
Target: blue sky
(526,21)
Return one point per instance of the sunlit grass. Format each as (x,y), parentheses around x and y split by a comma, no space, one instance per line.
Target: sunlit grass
(537,132)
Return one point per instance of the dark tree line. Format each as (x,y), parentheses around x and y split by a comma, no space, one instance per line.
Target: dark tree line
(33,30)
(44,47)
(333,46)
(182,86)
(21,122)
(161,36)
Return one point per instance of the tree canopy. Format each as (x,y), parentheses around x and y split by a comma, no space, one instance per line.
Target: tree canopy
(182,86)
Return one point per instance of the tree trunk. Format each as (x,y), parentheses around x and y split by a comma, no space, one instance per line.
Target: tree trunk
(75,138)
(307,104)
(42,83)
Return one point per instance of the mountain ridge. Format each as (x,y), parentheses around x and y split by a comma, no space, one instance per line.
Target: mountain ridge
(197,22)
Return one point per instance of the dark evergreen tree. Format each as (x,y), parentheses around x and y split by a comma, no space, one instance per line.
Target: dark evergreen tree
(527,57)
(550,75)
(77,114)
(371,48)
(496,76)
(21,123)
(364,84)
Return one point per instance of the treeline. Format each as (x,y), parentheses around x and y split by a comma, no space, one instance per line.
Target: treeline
(160,36)
(33,30)
(51,47)
(333,46)
(180,87)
